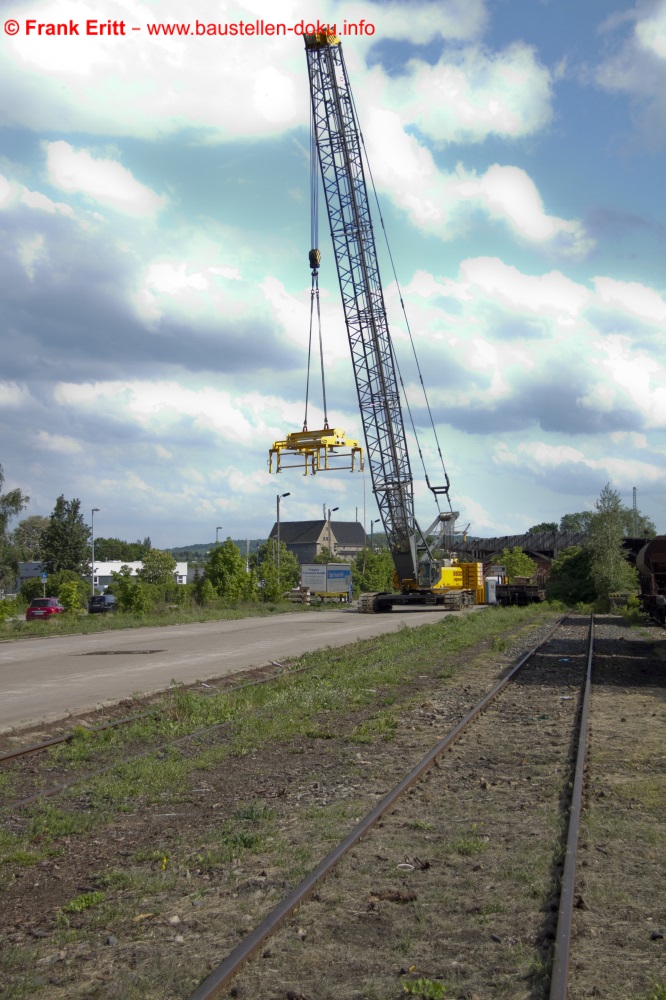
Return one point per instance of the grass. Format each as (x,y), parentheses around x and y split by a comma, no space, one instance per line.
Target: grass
(87,624)
(337,681)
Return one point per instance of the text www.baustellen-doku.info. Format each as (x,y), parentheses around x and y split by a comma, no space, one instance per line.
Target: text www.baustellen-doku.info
(99,28)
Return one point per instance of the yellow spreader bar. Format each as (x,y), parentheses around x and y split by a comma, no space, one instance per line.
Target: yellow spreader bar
(317,451)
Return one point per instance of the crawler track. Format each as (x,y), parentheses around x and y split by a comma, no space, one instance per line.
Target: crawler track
(221,977)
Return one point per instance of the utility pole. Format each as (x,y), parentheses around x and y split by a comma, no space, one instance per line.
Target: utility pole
(635,509)
(95,510)
(280,496)
(330,547)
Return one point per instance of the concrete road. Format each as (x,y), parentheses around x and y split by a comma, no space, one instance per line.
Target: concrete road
(47,679)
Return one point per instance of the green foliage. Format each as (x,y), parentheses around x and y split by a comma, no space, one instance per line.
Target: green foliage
(27,537)
(537,529)
(372,571)
(70,597)
(206,593)
(11,504)
(84,902)
(517,563)
(133,596)
(31,589)
(609,568)
(265,564)
(570,579)
(326,556)
(158,567)
(57,581)
(65,542)
(427,989)
(8,608)
(114,549)
(225,569)
(576,522)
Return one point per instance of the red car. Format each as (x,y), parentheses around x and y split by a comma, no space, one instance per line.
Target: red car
(43,607)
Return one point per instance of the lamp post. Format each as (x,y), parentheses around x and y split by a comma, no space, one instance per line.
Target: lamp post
(372,530)
(219,528)
(94,510)
(330,547)
(279,496)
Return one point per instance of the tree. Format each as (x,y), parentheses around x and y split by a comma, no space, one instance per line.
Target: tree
(71,598)
(226,571)
(538,529)
(326,556)
(576,522)
(570,579)
(65,542)
(11,504)
(133,595)
(264,564)
(158,567)
(112,549)
(27,537)
(609,568)
(373,571)
(517,563)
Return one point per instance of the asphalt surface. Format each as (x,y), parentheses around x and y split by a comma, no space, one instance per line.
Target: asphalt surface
(42,680)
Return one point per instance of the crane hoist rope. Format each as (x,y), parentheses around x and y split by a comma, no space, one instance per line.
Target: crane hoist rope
(437,491)
(327,449)
(314,258)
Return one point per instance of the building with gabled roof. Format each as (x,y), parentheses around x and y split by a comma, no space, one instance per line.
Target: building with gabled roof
(307,539)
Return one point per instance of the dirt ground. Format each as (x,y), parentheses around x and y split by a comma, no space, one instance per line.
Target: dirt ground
(478,842)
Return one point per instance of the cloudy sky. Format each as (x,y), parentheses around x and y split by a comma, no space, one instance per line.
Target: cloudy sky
(154,215)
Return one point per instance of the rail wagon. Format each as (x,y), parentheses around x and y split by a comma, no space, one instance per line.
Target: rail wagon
(651,566)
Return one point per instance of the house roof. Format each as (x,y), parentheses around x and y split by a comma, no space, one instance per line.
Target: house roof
(302,532)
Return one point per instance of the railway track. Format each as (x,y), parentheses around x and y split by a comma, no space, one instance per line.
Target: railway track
(581,663)
(452,882)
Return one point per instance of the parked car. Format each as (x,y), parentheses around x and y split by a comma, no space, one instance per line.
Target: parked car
(43,607)
(102,603)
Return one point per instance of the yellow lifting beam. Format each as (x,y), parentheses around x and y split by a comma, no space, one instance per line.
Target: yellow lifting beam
(317,451)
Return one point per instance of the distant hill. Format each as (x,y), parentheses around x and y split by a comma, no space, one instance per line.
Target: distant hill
(187,553)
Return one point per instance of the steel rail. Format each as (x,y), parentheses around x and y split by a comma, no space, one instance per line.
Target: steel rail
(47,792)
(36,747)
(559,975)
(220,977)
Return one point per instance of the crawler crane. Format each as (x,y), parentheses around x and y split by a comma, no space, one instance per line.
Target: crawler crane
(422,577)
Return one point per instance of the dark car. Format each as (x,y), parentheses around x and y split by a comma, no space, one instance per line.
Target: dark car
(43,607)
(100,604)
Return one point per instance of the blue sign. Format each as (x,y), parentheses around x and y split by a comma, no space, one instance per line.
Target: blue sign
(43,576)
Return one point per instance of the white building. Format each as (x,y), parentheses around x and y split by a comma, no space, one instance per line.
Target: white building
(103,571)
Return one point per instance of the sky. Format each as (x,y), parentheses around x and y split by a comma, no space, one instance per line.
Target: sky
(155,229)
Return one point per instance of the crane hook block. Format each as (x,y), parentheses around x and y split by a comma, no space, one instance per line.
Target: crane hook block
(315,259)
(327,450)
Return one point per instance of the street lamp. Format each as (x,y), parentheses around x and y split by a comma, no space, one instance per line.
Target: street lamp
(279,496)
(330,547)
(94,510)
(219,528)
(372,529)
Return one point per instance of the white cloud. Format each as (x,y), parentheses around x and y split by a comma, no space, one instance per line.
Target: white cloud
(550,294)
(632,297)
(469,94)
(59,443)
(443,203)
(651,33)
(30,250)
(12,394)
(638,65)
(543,459)
(106,181)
